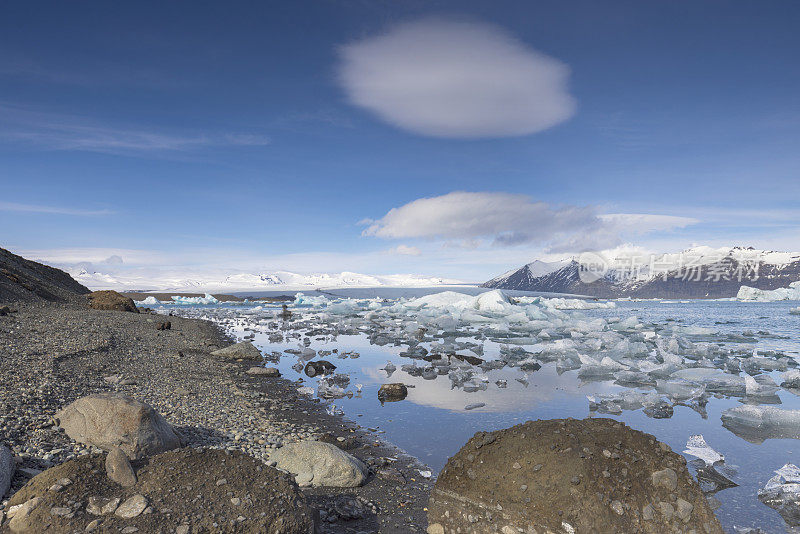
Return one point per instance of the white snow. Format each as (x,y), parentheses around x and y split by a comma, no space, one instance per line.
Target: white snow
(184,281)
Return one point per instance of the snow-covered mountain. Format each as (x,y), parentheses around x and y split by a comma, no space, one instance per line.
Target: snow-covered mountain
(698,272)
(277,281)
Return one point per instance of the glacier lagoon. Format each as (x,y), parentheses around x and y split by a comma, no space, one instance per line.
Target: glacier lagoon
(483,360)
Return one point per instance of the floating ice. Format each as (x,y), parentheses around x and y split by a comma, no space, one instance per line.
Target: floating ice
(697,447)
(763,295)
(308,301)
(149,301)
(782,492)
(758,423)
(305,390)
(795,311)
(206,300)
(475,406)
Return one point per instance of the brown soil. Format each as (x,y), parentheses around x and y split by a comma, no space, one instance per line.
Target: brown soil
(209,490)
(594,475)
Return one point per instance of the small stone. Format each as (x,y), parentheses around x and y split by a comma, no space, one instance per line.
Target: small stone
(575,480)
(236,501)
(102,505)
(648,512)
(182,529)
(93,526)
(129,530)
(61,511)
(516,465)
(667,511)
(684,509)
(509,530)
(132,507)
(617,507)
(221,482)
(119,469)
(666,478)
(435,528)
(19,513)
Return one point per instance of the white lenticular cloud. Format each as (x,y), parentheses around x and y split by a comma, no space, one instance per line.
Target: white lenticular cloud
(506,218)
(456,80)
(405,250)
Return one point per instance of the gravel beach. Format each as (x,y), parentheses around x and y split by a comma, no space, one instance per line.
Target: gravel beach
(52,354)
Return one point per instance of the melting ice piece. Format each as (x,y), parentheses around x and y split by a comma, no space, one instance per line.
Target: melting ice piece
(782,493)
(207,299)
(697,447)
(791,379)
(475,405)
(424,474)
(305,390)
(149,301)
(758,423)
(759,388)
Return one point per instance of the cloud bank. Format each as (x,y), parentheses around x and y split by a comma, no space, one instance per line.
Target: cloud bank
(456,80)
(508,219)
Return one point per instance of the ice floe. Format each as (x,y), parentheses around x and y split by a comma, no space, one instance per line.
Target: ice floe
(782,493)
(765,295)
(206,300)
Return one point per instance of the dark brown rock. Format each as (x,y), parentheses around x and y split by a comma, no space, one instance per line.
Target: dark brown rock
(111,300)
(544,475)
(392,392)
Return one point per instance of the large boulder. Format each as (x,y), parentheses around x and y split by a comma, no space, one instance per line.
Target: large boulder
(567,475)
(315,463)
(109,420)
(111,300)
(239,351)
(185,490)
(7,468)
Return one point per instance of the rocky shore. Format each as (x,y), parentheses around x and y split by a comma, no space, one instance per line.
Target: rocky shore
(54,354)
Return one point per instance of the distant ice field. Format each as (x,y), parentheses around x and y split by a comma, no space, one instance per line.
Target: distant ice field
(726,370)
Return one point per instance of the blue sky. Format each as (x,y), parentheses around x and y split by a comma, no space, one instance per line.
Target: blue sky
(266,136)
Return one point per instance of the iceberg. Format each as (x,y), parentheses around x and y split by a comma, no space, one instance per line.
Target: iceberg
(149,301)
(308,301)
(207,299)
(765,295)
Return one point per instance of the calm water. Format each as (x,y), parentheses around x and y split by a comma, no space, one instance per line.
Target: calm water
(432,423)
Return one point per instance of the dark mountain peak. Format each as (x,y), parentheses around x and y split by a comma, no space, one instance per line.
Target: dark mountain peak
(27,280)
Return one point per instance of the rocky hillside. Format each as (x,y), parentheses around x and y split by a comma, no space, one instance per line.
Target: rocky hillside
(26,280)
(694,273)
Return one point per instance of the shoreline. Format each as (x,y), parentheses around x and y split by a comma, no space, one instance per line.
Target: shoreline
(56,353)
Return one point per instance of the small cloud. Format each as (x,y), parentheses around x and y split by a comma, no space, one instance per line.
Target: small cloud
(55,210)
(405,250)
(456,80)
(113,260)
